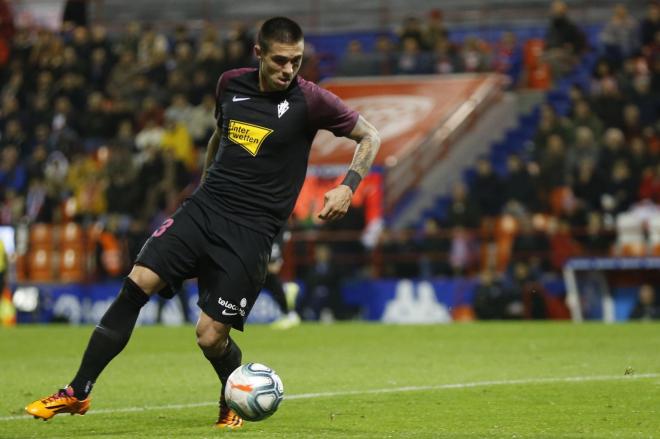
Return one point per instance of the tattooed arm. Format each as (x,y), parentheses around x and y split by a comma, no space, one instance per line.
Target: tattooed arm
(338,200)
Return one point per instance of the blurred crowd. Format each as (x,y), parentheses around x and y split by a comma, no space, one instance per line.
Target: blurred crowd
(423,46)
(110,129)
(560,196)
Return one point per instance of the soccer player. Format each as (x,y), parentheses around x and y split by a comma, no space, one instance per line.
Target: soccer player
(256,162)
(284,295)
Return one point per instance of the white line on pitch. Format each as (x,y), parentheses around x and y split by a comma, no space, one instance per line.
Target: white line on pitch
(378,391)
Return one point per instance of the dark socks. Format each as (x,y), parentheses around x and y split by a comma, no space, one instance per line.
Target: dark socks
(225,364)
(274,285)
(109,337)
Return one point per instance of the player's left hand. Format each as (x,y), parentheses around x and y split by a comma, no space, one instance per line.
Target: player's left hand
(336,203)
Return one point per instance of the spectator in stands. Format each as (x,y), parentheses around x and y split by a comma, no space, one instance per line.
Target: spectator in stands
(36,162)
(87,184)
(14,86)
(463,251)
(310,68)
(99,69)
(412,28)
(151,44)
(210,57)
(531,245)
(157,72)
(237,56)
(487,189)
(399,254)
(549,124)
(119,83)
(493,300)
(13,175)
(355,61)
(433,247)
(595,239)
(15,135)
(620,191)
(564,41)
(177,83)
(587,183)
(176,138)
(585,147)
(613,150)
(71,86)
(620,36)
(150,111)
(202,123)
(583,116)
(519,185)
(647,306)
(528,292)
(607,103)
(97,124)
(183,59)
(98,38)
(179,109)
(642,97)
(125,137)
(120,195)
(650,25)
(445,57)
(632,124)
(412,60)
(463,210)
(474,56)
(563,244)
(149,137)
(384,55)
(507,57)
(553,165)
(322,299)
(434,29)
(200,86)
(649,188)
(639,159)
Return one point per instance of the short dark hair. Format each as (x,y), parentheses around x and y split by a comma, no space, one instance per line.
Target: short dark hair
(279,29)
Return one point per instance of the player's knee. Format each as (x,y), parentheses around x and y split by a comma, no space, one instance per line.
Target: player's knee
(209,339)
(146,279)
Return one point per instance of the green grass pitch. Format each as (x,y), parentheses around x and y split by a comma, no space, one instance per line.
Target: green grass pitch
(355,380)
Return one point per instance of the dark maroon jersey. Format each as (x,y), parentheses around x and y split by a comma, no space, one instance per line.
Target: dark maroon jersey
(264,147)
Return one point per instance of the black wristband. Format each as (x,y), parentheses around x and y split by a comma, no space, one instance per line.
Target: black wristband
(352,180)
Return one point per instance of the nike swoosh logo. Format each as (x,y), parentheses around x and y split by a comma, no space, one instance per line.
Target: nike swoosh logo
(225,313)
(237,99)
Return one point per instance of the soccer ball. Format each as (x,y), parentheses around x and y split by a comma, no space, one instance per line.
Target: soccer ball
(254,391)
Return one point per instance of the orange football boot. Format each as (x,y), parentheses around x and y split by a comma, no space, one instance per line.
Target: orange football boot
(62,401)
(228,418)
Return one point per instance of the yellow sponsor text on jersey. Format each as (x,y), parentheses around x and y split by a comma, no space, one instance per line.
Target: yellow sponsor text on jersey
(247,135)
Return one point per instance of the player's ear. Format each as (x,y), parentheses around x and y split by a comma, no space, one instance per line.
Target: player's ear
(257,51)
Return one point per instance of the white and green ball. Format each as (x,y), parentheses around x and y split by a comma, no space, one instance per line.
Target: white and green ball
(254,391)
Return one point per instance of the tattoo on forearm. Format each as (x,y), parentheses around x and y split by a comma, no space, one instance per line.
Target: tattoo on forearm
(364,155)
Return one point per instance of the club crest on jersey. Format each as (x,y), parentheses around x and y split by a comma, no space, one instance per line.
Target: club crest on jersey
(282,108)
(247,135)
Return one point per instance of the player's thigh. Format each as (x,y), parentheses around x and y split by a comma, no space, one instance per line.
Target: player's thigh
(227,292)
(145,278)
(172,252)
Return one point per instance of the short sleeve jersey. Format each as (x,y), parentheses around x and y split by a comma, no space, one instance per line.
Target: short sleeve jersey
(265,142)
